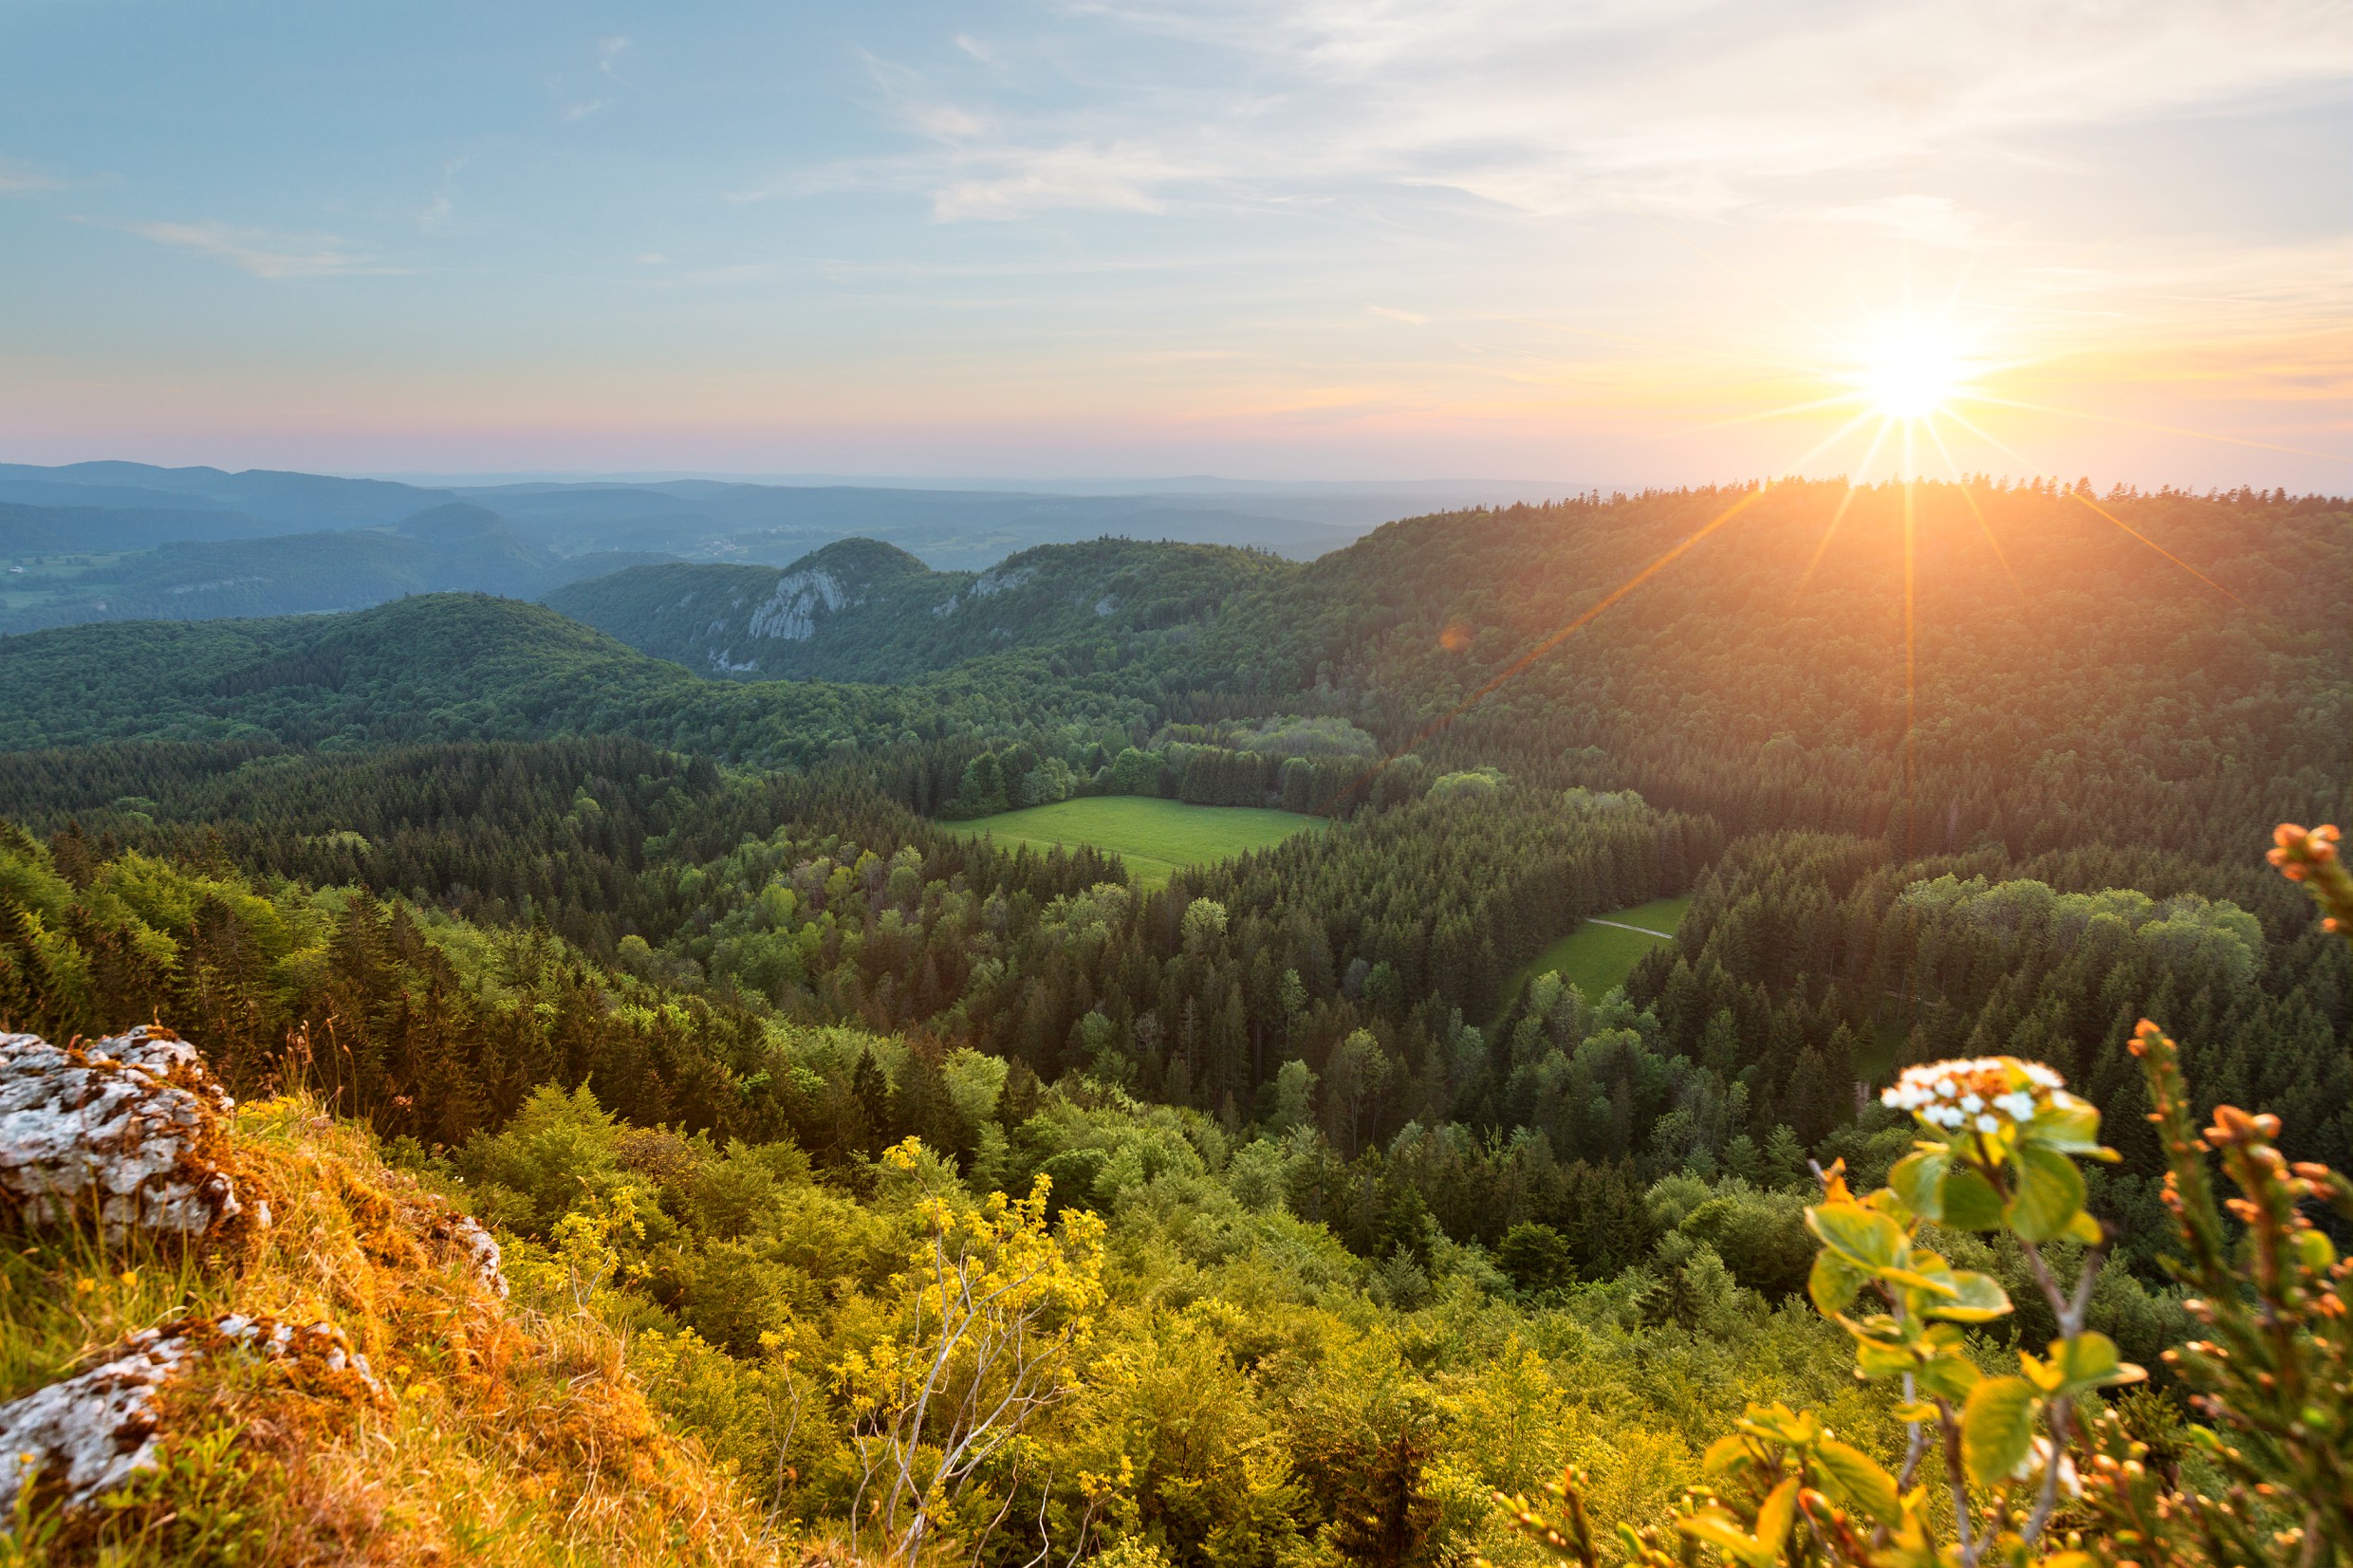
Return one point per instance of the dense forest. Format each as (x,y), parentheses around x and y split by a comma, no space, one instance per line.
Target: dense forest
(861,610)
(613,944)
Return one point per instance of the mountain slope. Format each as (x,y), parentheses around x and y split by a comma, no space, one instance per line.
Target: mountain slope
(860,610)
(452,547)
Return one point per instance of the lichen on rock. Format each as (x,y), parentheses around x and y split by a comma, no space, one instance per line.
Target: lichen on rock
(77,1440)
(127,1130)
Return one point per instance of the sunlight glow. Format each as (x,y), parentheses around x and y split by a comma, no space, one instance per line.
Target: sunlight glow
(1913,378)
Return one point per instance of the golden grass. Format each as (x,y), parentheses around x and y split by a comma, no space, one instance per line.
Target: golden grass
(505,1434)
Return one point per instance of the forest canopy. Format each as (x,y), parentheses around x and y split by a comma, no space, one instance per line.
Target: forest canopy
(1344,1221)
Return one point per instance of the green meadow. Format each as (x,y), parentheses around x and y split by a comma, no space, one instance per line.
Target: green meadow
(1156,838)
(1596,957)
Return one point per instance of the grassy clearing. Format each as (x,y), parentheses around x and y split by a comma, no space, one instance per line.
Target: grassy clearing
(1597,956)
(1155,838)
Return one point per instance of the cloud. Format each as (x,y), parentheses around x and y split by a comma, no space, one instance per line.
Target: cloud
(584,108)
(18,179)
(609,51)
(1930,220)
(1123,177)
(1411,318)
(1688,107)
(263,253)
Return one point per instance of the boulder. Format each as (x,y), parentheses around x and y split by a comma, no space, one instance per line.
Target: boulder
(77,1440)
(127,1130)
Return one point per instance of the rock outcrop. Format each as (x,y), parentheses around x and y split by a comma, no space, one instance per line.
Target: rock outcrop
(127,1130)
(476,1249)
(77,1440)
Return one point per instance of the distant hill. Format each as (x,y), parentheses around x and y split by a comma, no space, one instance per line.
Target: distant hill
(30,530)
(440,667)
(695,519)
(969,529)
(301,500)
(861,610)
(454,547)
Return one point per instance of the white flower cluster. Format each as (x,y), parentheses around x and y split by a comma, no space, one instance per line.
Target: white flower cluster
(1982,1095)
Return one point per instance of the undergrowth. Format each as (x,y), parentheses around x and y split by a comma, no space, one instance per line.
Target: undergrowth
(503,1434)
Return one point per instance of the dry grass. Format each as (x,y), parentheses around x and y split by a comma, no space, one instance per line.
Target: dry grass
(503,1435)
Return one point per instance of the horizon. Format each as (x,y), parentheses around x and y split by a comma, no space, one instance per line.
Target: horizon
(1503,491)
(1268,241)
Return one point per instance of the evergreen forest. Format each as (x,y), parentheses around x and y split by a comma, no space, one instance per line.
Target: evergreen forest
(639,924)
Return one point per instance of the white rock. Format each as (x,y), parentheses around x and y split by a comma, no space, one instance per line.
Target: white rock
(85,1436)
(124,1127)
(464,1235)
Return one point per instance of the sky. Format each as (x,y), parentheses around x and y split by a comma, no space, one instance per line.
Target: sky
(1592,241)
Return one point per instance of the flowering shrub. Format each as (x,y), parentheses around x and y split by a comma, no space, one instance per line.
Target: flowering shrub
(2018,1478)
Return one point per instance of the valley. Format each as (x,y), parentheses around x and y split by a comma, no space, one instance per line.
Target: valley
(1380,1012)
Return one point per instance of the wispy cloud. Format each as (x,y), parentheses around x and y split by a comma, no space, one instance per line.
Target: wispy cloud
(263,252)
(1411,318)
(1020,182)
(584,108)
(18,178)
(1693,107)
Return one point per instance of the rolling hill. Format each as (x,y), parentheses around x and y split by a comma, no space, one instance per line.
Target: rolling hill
(451,548)
(469,667)
(861,610)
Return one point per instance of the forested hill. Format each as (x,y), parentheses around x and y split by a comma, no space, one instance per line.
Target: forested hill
(467,667)
(2153,668)
(2163,670)
(859,610)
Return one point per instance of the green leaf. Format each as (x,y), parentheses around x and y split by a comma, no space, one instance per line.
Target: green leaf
(2072,1129)
(2089,1361)
(1834,1282)
(2049,1194)
(1919,1178)
(1876,1357)
(1854,1476)
(1718,1528)
(1723,1532)
(1997,1429)
(1952,1376)
(1970,1201)
(1725,1455)
(1869,1240)
(1977,1299)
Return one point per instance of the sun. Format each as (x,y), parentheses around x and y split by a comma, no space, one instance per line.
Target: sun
(1913,376)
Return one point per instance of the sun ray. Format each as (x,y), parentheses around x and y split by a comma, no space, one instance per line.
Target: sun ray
(1967,494)
(1839,516)
(1554,640)
(2160,549)
(1910,673)
(1787,410)
(1993,441)
(2161,430)
(2113,518)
